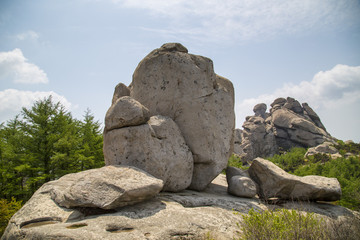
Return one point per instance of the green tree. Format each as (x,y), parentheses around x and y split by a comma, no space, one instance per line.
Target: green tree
(44,124)
(90,155)
(45,144)
(13,166)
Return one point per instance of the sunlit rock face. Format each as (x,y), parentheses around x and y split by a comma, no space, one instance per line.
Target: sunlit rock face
(173,83)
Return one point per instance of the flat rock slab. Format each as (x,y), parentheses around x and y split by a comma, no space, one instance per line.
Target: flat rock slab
(275,182)
(185,215)
(107,188)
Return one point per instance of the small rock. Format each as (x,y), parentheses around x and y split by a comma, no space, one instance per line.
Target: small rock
(126,112)
(121,90)
(242,187)
(260,109)
(324,148)
(278,101)
(234,171)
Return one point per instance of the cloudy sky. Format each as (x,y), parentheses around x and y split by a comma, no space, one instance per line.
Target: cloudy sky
(79,50)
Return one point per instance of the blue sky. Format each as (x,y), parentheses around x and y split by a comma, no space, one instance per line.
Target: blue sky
(79,50)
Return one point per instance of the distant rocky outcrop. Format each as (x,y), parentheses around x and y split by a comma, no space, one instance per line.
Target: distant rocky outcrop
(183,87)
(288,124)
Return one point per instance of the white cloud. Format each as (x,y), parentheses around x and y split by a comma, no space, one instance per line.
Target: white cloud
(14,66)
(329,92)
(248,19)
(28,35)
(13,100)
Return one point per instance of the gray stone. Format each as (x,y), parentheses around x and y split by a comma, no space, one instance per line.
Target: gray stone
(126,112)
(258,140)
(278,101)
(275,182)
(173,47)
(260,109)
(242,187)
(293,105)
(234,171)
(297,131)
(184,87)
(108,187)
(185,215)
(324,148)
(156,147)
(121,90)
(287,125)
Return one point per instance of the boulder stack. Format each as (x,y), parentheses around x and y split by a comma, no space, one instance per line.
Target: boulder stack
(182,87)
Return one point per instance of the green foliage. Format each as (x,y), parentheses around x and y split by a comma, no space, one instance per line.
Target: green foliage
(235,161)
(346,170)
(45,143)
(343,148)
(281,224)
(7,209)
(289,161)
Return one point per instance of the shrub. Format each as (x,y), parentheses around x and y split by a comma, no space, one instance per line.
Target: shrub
(346,170)
(343,148)
(235,161)
(7,209)
(281,224)
(289,161)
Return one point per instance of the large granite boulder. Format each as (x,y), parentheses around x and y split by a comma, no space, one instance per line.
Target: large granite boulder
(275,182)
(171,82)
(108,187)
(156,147)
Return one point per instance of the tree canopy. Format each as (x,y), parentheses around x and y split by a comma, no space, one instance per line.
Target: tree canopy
(43,143)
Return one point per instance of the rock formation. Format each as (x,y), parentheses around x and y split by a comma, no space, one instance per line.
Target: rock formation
(185,215)
(173,83)
(275,182)
(172,130)
(288,124)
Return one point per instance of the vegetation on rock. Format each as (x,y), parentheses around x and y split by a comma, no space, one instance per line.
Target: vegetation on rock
(281,224)
(7,209)
(345,169)
(293,224)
